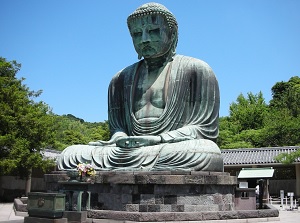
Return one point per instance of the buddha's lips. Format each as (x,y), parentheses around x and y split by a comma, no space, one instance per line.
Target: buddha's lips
(146,47)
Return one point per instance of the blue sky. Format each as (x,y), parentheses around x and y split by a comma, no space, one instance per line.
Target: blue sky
(70,49)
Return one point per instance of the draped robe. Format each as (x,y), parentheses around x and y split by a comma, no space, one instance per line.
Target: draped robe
(188,124)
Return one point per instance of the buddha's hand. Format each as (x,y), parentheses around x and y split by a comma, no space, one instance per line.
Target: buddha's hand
(137,141)
(112,141)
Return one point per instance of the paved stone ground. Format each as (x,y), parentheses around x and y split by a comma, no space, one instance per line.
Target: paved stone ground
(7,215)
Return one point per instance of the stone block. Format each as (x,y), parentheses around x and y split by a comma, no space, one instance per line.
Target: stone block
(99,179)
(19,205)
(180,172)
(153,208)
(152,173)
(44,220)
(203,173)
(247,214)
(268,213)
(127,189)
(143,208)
(188,200)
(219,173)
(177,179)
(170,199)
(132,207)
(184,216)
(126,178)
(146,189)
(210,215)
(75,216)
(177,208)
(200,208)
(149,179)
(228,199)
(147,199)
(165,208)
(156,217)
(126,198)
(159,199)
(136,198)
(54,178)
(218,199)
(195,179)
(228,215)
(121,215)
(211,179)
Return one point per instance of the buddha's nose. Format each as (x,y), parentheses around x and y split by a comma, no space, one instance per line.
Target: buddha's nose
(145,37)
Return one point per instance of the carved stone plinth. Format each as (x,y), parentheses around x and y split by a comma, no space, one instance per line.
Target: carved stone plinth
(163,191)
(162,196)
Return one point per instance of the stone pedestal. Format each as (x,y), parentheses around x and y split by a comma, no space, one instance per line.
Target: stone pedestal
(161,196)
(163,191)
(78,195)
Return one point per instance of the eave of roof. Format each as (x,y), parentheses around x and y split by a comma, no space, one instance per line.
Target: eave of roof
(256,156)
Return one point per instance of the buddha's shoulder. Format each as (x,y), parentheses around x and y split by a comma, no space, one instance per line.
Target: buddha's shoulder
(192,65)
(125,71)
(190,61)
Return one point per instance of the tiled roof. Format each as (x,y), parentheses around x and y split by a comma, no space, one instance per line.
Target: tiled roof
(255,156)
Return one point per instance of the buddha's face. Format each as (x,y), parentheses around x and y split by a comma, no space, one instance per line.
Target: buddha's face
(151,36)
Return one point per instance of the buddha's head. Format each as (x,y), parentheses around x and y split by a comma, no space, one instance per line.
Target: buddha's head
(154,31)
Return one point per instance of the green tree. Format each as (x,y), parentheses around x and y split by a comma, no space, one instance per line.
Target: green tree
(248,112)
(286,95)
(242,129)
(71,130)
(26,126)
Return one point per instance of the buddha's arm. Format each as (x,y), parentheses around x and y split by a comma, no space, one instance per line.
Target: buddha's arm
(182,134)
(112,140)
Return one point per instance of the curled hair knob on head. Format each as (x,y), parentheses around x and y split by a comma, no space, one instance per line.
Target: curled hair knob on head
(152,9)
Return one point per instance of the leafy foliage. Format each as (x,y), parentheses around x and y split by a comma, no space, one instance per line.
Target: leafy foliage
(26,126)
(71,130)
(243,126)
(253,123)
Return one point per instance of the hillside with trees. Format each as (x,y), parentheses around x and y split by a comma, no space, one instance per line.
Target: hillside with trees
(70,130)
(254,123)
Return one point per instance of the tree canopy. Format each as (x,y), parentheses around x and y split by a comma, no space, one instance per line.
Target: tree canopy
(25,125)
(254,123)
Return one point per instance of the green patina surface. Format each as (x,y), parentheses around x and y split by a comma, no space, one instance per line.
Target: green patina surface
(163,110)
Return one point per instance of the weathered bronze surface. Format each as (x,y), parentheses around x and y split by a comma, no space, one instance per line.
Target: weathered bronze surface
(163,110)
(46,205)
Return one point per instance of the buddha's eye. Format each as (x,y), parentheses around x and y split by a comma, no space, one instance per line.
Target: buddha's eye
(154,31)
(137,34)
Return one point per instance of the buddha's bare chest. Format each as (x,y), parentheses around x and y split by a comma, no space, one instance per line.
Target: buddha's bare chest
(149,94)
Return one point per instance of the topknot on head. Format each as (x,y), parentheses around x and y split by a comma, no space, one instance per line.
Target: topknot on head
(153,8)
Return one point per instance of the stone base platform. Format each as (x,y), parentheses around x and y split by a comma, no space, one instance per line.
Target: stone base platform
(269,213)
(44,220)
(163,191)
(159,196)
